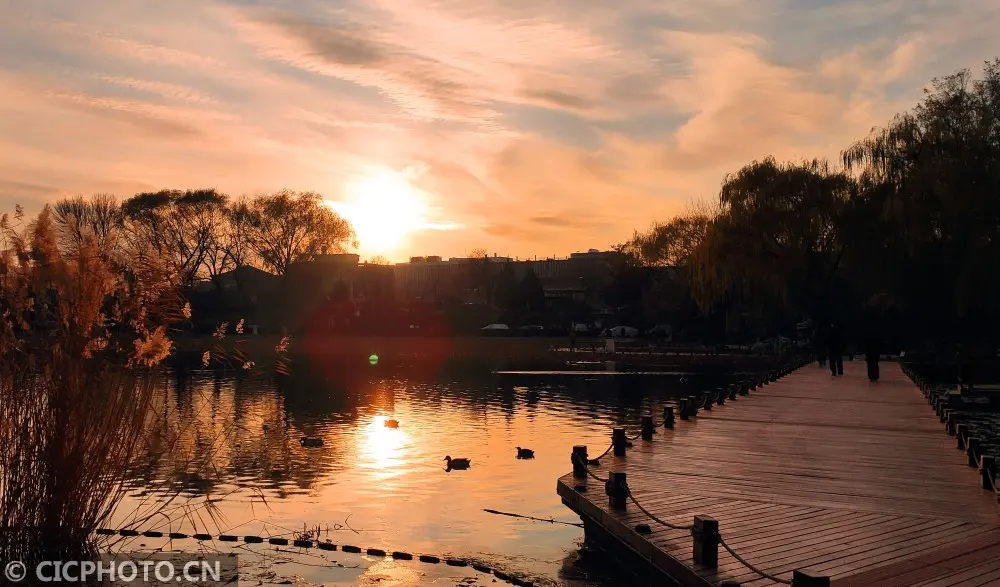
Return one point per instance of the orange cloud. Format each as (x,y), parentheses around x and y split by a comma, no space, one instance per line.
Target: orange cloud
(543,127)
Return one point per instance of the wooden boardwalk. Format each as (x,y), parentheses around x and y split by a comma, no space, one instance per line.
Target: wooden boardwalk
(854,481)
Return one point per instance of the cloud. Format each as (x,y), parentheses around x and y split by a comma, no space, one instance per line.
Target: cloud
(543,126)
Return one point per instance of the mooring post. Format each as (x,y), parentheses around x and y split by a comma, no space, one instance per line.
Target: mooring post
(617,490)
(952,422)
(720,396)
(734,388)
(807,578)
(619,441)
(580,461)
(693,405)
(730,584)
(682,408)
(648,428)
(973,451)
(706,541)
(668,417)
(744,387)
(708,401)
(960,435)
(987,468)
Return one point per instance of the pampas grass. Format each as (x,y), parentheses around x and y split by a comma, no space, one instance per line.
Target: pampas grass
(83,328)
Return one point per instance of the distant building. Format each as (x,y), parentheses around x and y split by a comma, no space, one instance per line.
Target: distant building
(337,291)
(430,278)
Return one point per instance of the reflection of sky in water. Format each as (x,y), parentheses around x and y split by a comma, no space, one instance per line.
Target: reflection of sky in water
(376,486)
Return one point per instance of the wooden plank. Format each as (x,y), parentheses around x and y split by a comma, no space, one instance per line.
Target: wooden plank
(852,479)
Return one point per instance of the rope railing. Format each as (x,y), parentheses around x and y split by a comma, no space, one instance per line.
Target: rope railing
(705,531)
(750,566)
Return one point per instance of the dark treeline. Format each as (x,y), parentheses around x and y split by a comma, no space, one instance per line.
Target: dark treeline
(202,234)
(902,237)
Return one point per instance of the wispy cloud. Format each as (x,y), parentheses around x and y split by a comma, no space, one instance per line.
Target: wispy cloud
(542,126)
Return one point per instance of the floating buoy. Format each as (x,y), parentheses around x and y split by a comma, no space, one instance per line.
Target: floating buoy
(392,423)
(373,359)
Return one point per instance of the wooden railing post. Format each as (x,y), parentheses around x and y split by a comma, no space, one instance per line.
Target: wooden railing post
(720,396)
(682,408)
(987,468)
(708,401)
(693,405)
(619,441)
(617,490)
(973,451)
(668,417)
(706,541)
(579,458)
(648,428)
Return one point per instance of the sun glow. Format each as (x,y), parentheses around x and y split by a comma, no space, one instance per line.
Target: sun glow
(384,209)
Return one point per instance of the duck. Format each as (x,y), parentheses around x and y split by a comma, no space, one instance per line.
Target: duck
(311,442)
(457,463)
(525,453)
(392,423)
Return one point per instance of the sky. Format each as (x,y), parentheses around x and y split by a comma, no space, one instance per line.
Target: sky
(523,127)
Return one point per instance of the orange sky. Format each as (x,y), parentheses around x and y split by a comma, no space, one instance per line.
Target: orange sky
(525,127)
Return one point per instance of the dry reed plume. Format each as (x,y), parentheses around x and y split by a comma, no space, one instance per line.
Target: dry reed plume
(82,324)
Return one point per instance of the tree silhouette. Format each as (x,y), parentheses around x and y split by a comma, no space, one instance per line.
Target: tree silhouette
(288,227)
(176,226)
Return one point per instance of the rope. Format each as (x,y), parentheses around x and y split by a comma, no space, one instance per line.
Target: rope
(549,520)
(611,446)
(658,520)
(587,469)
(746,564)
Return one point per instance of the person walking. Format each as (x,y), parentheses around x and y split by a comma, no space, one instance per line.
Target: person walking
(835,350)
(873,349)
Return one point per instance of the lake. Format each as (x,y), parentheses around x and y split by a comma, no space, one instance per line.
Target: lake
(234,441)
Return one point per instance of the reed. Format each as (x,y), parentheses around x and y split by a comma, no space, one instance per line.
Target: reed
(82,330)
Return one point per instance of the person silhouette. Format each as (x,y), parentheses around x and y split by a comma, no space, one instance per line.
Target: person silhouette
(835,350)
(873,349)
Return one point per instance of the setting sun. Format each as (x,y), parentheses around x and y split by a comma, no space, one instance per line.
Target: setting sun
(383,208)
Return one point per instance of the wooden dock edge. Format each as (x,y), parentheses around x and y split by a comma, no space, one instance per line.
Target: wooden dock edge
(615,536)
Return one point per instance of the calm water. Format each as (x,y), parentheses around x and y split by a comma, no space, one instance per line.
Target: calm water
(234,442)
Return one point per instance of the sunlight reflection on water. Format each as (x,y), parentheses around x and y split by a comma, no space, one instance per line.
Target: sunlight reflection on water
(377,486)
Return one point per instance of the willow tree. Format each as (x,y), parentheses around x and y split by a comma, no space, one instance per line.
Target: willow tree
(932,175)
(774,248)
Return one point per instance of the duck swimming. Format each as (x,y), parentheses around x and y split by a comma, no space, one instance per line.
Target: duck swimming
(311,442)
(392,423)
(525,453)
(457,463)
